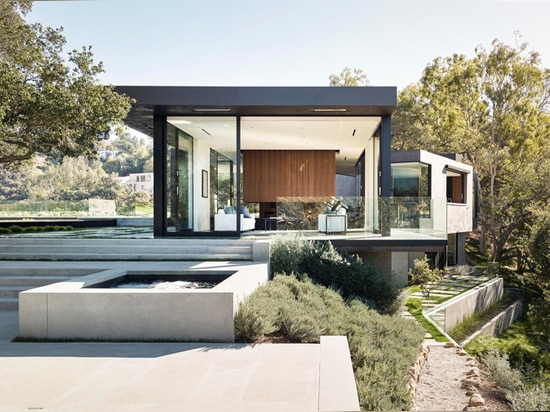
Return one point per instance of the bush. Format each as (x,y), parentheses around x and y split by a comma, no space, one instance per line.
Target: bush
(422,274)
(348,274)
(30,229)
(382,347)
(539,245)
(518,391)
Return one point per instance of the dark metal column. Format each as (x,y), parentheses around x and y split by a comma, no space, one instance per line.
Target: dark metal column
(385,157)
(159,180)
(385,175)
(238,175)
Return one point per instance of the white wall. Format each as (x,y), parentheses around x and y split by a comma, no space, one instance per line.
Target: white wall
(455,217)
(201,205)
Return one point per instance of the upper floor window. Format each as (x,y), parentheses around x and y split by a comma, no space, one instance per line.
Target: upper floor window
(411,180)
(456,187)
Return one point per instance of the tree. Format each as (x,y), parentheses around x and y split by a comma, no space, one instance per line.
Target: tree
(425,276)
(73,179)
(539,245)
(349,77)
(134,155)
(494,109)
(49,106)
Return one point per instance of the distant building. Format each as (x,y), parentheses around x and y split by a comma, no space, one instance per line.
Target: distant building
(105,154)
(138,182)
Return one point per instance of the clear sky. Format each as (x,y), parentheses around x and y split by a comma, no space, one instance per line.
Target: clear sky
(286,42)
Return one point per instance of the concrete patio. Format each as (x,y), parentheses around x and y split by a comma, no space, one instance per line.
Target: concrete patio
(92,376)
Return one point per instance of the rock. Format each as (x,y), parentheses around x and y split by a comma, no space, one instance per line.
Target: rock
(470,390)
(476,400)
(449,345)
(471,381)
(462,352)
(473,372)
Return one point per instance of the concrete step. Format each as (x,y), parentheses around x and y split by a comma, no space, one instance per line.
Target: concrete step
(9,304)
(31,281)
(45,272)
(125,249)
(11,291)
(127,257)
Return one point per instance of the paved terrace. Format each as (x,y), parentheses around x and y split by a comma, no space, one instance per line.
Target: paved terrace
(109,376)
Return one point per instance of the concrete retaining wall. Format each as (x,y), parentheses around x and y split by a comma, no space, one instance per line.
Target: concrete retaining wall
(465,305)
(501,322)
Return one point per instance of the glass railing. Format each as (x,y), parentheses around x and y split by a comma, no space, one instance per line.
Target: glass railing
(394,216)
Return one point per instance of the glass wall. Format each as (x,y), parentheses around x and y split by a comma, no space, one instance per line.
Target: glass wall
(179,180)
(200,174)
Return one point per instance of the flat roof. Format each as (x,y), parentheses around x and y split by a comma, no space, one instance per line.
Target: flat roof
(255,101)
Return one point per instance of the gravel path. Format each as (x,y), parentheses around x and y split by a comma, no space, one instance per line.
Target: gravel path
(451,380)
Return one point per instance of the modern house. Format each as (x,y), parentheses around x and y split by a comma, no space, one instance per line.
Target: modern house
(232,159)
(434,192)
(138,182)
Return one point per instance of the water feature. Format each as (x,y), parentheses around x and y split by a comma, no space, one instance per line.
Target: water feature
(162,281)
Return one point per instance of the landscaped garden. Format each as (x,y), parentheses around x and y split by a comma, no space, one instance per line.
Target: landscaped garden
(318,291)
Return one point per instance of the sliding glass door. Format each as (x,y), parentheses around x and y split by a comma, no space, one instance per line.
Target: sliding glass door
(200,174)
(179,180)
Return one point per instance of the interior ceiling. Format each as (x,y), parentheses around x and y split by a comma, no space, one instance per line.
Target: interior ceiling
(347,136)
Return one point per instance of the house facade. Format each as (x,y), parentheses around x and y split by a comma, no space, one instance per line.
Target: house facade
(435,191)
(232,159)
(138,182)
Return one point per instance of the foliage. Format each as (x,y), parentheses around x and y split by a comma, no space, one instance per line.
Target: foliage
(425,276)
(73,179)
(133,155)
(48,105)
(494,109)
(539,314)
(346,273)
(414,305)
(523,395)
(12,181)
(383,347)
(525,350)
(539,245)
(29,229)
(348,78)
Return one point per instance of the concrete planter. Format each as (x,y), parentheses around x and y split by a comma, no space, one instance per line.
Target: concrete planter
(76,310)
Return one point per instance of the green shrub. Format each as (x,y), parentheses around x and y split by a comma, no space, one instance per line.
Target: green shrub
(507,378)
(535,398)
(382,347)
(17,229)
(5,230)
(425,276)
(348,274)
(287,253)
(522,395)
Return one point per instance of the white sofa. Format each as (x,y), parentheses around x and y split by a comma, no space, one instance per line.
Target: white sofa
(228,222)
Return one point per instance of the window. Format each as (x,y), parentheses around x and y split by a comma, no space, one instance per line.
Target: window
(411,180)
(455,187)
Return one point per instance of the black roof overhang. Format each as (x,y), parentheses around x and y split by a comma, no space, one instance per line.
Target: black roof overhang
(255,101)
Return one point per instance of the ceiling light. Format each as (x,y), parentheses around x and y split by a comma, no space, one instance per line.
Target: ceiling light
(329,109)
(212,109)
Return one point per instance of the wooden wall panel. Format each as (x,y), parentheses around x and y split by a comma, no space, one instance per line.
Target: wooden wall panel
(268,174)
